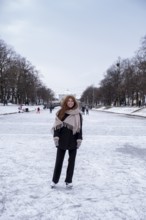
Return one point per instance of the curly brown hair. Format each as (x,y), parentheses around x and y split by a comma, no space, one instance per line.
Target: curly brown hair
(64,106)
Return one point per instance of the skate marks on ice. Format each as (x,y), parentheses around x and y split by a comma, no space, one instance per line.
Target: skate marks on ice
(74,205)
(116,180)
(133,151)
(2,203)
(108,184)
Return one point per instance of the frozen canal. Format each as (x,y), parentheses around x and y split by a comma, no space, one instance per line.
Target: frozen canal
(110,173)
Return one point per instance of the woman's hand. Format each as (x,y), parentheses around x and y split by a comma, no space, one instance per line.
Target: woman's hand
(56,141)
(79,141)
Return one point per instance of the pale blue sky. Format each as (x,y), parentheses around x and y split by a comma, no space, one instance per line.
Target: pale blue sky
(73,42)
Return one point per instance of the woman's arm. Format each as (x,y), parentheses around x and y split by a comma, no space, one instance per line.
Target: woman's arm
(56,132)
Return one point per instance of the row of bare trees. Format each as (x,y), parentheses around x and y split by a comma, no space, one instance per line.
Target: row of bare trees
(19,79)
(123,84)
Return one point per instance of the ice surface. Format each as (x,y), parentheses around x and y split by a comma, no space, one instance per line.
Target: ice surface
(109,178)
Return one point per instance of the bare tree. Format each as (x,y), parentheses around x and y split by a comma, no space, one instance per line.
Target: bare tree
(5,59)
(19,79)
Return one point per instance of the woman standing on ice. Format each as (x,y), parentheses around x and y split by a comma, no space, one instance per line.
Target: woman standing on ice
(67,136)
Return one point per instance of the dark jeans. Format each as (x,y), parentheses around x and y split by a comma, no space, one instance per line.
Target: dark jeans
(59,162)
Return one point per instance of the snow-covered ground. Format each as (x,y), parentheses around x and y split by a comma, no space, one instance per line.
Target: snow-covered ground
(125,110)
(10,109)
(110,173)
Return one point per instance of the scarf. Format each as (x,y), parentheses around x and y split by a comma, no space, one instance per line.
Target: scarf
(71,122)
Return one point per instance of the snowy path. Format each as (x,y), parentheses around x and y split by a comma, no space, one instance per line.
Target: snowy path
(109,178)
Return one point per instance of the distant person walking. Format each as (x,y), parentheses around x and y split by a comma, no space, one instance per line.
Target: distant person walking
(139,103)
(67,131)
(51,108)
(87,109)
(38,110)
(83,109)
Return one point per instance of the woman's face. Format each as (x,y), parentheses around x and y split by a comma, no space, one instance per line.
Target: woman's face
(70,103)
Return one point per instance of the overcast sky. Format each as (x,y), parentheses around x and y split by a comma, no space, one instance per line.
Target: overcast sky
(73,42)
